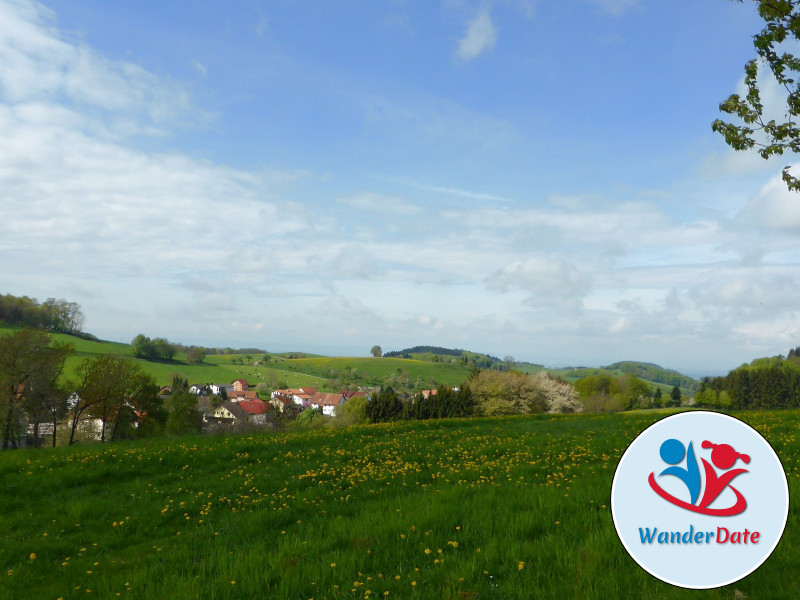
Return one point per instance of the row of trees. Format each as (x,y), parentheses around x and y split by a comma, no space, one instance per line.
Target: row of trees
(54,315)
(487,393)
(155,349)
(773,386)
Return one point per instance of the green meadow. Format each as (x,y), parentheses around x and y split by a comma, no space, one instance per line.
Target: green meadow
(380,368)
(507,508)
(315,371)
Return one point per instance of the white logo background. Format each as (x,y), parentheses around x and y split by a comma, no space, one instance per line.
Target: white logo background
(635,505)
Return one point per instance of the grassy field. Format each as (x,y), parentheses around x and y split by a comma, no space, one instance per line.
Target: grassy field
(513,508)
(381,368)
(224,368)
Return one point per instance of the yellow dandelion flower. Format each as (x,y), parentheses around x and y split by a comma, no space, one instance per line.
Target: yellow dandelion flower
(32,556)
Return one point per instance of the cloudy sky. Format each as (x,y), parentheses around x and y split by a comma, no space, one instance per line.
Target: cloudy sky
(536,178)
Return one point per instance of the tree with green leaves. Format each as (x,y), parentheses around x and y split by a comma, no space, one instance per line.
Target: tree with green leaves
(30,365)
(769,134)
(384,406)
(155,349)
(196,354)
(113,390)
(376,351)
(675,396)
(183,414)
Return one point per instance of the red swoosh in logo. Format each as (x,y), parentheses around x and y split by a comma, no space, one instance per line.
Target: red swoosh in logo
(737,508)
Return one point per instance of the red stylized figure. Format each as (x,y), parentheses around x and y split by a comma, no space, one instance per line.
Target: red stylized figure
(724,457)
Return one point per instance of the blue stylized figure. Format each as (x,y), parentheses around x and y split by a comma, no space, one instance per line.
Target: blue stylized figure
(672,452)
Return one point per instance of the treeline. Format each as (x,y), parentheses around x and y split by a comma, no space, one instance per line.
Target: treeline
(486,393)
(54,315)
(423,350)
(162,349)
(467,359)
(765,383)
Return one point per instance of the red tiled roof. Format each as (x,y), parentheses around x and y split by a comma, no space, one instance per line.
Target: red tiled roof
(248,395)
(254,407)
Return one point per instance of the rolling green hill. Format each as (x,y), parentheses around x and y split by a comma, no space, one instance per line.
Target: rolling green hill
(426,369)
(324,373)
(657,374)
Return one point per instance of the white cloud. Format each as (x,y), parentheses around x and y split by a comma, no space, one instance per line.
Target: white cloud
(383,204)
(615,7)
(548,280)
(775,207)
(481,36)
(38,64)
(201,69)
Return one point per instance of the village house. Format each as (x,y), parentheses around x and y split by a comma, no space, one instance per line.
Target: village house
(239,396)
(258,409)
(219,389)
(241,385)
(327,403)
(256,412)
(300,396)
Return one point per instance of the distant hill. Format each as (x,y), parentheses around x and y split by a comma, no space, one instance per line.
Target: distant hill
(655,373)
(465,358)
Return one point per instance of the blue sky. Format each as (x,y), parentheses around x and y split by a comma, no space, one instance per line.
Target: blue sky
(524,177)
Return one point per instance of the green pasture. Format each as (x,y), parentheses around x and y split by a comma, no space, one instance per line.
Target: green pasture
(209,372)
(512,508)
(381,368)
(214,369)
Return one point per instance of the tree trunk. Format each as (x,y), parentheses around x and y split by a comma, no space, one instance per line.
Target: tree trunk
(55,423)
(75,416)
(7,433)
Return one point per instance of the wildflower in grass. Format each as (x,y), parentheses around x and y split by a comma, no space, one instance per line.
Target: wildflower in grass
(333,565)
(520,566)
(32,556)
(428,550)
(413,584)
